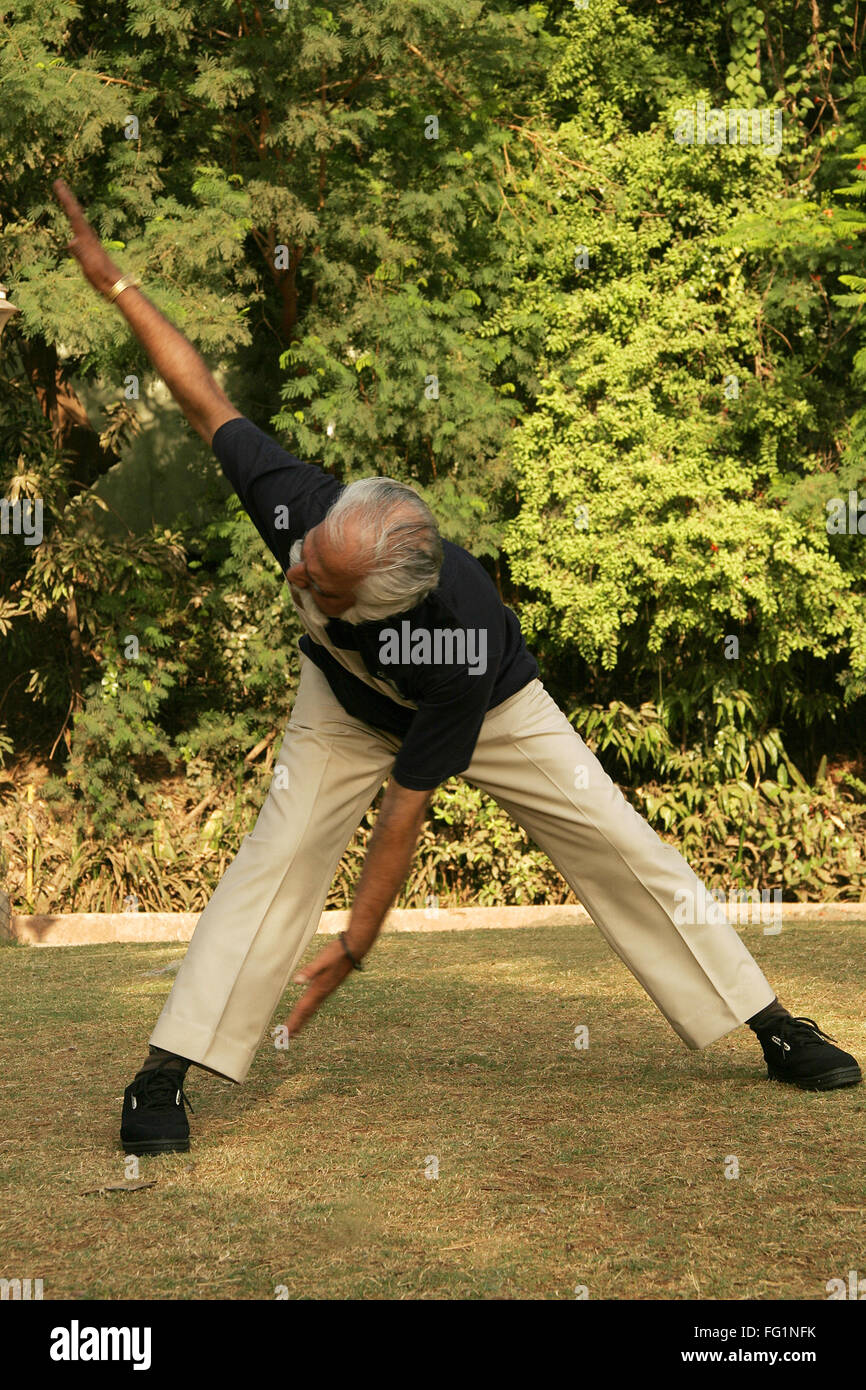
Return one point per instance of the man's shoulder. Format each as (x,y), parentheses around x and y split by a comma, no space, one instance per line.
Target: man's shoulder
(456,560)
(242,436)
(463,581)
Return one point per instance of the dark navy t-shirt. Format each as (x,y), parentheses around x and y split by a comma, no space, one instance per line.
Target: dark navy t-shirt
(432,653)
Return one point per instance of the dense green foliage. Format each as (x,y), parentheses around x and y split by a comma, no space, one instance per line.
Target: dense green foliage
(465,245)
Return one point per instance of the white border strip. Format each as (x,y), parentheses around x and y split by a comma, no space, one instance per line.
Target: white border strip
(93,928)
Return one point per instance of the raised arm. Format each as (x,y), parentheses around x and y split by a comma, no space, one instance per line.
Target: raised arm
(184,372)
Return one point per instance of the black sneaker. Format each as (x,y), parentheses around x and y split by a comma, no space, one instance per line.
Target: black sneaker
(154,1120)
(797,1051)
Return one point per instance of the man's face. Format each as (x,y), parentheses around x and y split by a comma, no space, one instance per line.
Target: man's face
(329,577)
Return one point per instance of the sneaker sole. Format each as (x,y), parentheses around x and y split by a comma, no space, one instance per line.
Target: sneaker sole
(828,1081)
(156,1146)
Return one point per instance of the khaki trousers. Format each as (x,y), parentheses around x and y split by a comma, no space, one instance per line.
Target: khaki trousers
(530,759)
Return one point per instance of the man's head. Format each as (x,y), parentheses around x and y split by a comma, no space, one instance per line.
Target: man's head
(377,552)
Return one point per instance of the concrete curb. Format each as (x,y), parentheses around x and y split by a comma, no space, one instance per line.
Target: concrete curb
(91,928)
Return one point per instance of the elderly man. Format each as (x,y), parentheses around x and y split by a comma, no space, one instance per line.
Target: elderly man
(411,669)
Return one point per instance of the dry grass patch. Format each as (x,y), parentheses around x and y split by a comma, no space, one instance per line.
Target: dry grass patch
(557,1167)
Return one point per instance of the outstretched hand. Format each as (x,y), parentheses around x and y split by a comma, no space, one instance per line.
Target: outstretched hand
(88,250)
(323,975)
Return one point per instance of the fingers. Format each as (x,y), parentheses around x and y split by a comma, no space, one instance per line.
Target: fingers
(71,206)
(322,975)
(324,961)
(309,972)
(307,1005)
(303,1010)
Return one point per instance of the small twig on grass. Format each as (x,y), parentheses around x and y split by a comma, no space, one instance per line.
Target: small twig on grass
(119,1187)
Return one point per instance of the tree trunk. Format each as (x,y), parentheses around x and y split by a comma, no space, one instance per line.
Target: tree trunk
(75,652)
(71,429)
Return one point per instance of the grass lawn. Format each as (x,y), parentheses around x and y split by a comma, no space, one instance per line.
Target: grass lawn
(557,1167)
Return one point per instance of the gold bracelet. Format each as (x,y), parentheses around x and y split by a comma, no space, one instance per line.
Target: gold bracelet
(124,283)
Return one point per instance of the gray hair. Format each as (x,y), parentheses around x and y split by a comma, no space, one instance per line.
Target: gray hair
(400,546)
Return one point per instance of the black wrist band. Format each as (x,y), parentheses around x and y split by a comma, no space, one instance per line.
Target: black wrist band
(357,964)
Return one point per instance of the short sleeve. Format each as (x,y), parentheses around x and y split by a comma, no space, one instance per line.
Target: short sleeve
(283,496)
